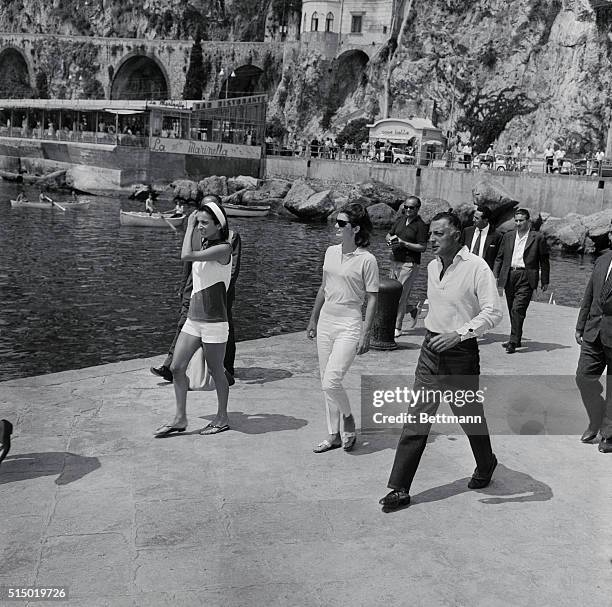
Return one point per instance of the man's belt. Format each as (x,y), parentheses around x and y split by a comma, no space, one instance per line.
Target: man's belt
(514,269)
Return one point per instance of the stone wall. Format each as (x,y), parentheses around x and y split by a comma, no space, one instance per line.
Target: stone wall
(555,194)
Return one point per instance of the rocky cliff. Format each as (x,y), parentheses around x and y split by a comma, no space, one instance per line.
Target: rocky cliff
(532,71)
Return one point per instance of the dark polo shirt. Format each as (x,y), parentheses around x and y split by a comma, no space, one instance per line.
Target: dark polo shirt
(415,232)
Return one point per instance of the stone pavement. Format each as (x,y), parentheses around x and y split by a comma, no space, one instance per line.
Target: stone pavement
(252,517)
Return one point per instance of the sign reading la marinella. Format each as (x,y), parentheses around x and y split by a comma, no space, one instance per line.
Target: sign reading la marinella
(192,147)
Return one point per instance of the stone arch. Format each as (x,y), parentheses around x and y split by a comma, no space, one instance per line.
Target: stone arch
(347,71)
(140,76)
(247,80)
(15,74)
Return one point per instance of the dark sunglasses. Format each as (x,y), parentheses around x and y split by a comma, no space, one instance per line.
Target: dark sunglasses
(341,223)
(410,207)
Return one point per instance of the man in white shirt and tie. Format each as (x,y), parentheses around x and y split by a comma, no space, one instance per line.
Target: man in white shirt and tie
(481,239)
(463,305)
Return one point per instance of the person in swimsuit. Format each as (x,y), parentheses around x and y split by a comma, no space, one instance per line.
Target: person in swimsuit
(207,321)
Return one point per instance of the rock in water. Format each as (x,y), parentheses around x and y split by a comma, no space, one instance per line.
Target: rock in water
(377,191)
(598,224)
(297,196)
(381,215)
(242,182)
(493,196)
(185,189)
(213,185)
(316,207)
(431,207)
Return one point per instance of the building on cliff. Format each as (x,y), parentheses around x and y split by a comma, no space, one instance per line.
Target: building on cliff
(336,26)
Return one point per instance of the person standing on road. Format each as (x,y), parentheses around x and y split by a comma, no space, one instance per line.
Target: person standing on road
(549,155)
(463,305)
(350,277)
(407,239)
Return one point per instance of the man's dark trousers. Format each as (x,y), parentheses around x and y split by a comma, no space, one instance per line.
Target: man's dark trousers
(457,368)
(518,298)
(594,358)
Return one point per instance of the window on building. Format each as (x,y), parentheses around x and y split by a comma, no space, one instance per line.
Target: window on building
(356,24)
(329,22)
(314,23)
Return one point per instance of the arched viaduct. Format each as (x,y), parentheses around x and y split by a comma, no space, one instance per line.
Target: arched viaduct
(128,68)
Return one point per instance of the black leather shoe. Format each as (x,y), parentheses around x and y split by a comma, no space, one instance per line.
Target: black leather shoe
(481,480)
(511,348)
(162,372)
(6,429)
(588,435)
(605,445)
(507,343)
(395,499)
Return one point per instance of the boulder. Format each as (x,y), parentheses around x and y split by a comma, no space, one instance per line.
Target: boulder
(568,232)
(235,198)
(490,194)
(356,196)
(381,215)
(465,212)
(431,207)
(381,192)
(339,201)
(317,206)
(276,188)
(256,197)
(300,191)
(598,224)
(213,185)
(242,182)
(185,189)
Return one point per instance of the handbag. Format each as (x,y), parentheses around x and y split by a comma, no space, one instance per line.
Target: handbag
(197,372)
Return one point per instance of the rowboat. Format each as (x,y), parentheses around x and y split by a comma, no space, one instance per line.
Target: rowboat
(37,204)
(241,210)
(133,218)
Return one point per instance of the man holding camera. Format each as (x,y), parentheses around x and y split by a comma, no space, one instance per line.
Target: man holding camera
(407,239)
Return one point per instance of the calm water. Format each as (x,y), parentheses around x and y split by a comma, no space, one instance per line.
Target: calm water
(76,289)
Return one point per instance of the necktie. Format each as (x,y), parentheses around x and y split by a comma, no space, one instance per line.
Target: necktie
(476,247)
(606,290)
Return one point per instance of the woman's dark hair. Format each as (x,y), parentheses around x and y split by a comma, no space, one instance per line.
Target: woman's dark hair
(358,216)
(223,230)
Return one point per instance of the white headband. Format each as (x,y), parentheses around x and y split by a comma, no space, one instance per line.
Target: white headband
(214,207)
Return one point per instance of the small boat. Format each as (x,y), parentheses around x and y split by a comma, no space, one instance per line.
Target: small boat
(37,204)
(157,220)
(241,210)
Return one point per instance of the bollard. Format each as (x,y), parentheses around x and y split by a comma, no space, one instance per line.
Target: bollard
(383,328)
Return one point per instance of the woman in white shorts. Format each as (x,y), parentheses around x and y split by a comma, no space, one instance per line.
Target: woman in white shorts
(206,324)
(350,277)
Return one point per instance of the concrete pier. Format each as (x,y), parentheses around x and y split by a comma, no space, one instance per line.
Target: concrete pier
(89,500)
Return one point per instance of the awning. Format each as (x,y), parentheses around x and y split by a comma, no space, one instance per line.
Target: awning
(432,142)
(122,112)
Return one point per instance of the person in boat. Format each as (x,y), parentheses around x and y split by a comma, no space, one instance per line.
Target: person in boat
(179,209)
(207,323)
(185,290)
(42,197)
(149,205)
(21,197)
(74,197)
(350,277)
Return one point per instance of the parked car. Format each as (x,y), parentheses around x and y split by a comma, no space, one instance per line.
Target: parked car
(401,156)
(583,167)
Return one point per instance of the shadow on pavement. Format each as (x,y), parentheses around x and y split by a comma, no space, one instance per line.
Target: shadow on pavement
(261,423)
(261,375)
(507,486)
(528,345)
(25,466)
(371,442)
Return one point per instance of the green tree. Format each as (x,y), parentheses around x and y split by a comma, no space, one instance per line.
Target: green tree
(196,74)
(275,129)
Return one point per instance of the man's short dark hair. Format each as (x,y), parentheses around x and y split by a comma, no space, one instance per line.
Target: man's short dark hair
(524,212)
(486,213)
(452,219)
(418,200)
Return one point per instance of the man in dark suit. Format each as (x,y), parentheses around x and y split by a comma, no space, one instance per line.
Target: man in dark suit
(481,239)
(522,257)
(594,335)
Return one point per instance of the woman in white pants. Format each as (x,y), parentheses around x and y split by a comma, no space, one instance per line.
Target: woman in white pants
(350,277)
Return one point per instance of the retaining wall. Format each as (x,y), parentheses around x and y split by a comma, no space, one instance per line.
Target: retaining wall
(555,194)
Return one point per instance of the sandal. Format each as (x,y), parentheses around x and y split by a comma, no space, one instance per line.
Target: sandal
(214,429)
(166,430)
(325,445)
(348,440)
